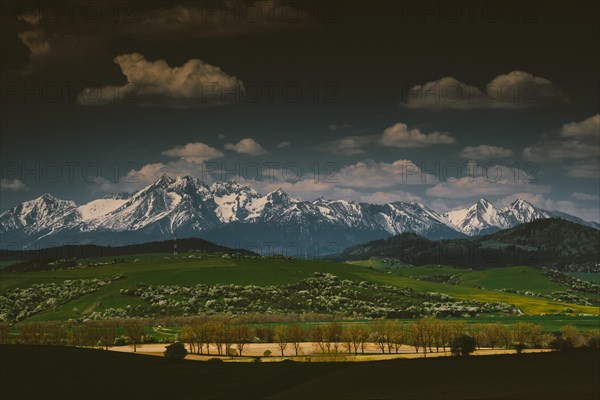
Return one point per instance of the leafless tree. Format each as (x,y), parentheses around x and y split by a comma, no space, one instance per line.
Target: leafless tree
(505,335)
(318,336)
(334,331)
(281,337)
(295,336)
(242,337)
(379,334)
(4,332)
(134,330)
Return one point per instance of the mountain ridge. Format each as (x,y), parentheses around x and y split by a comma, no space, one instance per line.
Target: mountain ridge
(236,216)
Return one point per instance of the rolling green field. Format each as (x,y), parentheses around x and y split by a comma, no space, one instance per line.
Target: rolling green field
(163,269)
(587,276)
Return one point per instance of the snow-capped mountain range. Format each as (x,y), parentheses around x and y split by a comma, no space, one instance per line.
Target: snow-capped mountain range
(237,216)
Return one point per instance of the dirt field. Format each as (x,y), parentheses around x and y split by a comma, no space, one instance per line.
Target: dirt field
(310,349)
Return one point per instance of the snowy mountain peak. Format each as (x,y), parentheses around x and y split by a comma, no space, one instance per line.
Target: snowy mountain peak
(520,211)
(46,202)
(117,196)
(484,203)
(188,185)
(229,187)
(520,204)
(279,197)
(36,214)
(479,218)
(186,180)
(483,217)
(320,200)
(163,181)
(227,211)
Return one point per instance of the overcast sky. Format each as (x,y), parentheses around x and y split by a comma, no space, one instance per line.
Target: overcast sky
(372,101)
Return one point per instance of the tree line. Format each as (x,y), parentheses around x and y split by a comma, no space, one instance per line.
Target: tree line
(225,336)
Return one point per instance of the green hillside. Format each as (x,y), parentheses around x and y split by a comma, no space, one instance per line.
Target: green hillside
(137,271)
(541,243)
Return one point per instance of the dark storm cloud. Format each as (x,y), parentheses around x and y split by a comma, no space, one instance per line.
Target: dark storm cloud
(210,19)
(62,30)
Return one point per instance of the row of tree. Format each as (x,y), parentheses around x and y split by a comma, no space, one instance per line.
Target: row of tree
(425,335)
(103,334)
(225,336)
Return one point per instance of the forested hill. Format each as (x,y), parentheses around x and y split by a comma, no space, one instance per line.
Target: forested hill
(89,251)
(550,242)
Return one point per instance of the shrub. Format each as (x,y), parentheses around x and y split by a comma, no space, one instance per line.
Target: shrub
(463,345)
(149,339)
(519,347)
(593,342)
(176,351)
(267,353)
(121,341)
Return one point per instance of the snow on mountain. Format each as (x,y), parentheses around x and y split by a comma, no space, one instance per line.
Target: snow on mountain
(520,211)
(98,208)
(164,207)
(229,213)
(481,217)
(234,202)
(35,214)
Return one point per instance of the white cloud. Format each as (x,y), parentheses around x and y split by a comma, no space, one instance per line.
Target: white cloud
(496,180)
(589,168)
(39,46)
(155,82)
(194,152)
(283,145)
(585,196)
(485,152)
(576,141)
(399,135)
(379,175)
(149,173)
(307,188)
(246,146)
(587,129)
(389,197)
(550,150)
(363,181)
(14,185)
(350,145)
(36,41)
(32,18)
(516,89)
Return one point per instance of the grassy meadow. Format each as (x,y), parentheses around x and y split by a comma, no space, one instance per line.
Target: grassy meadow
(210,269)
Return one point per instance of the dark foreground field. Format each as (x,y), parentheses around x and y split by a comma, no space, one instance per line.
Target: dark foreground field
(42,372)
